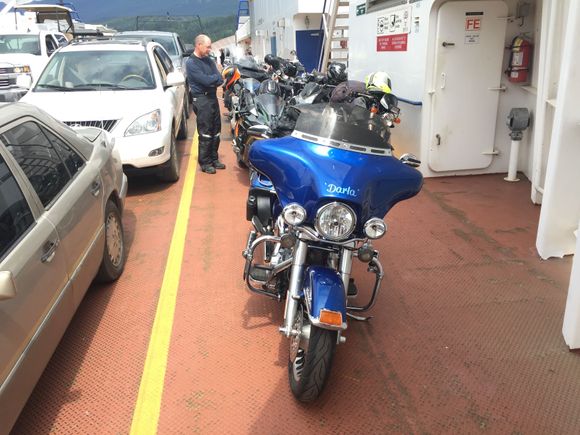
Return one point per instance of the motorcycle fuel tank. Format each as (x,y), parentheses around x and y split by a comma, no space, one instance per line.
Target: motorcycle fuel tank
(313,174)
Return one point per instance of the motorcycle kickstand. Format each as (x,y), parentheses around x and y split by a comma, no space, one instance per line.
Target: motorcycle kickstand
(359,318)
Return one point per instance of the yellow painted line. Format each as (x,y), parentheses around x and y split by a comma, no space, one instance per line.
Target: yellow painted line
(148,406)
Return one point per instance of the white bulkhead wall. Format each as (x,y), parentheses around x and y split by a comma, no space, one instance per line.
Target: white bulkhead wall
(410,69)
(281,19)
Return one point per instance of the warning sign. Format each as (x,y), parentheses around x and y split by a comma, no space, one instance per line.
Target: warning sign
(473,22)
(395,22)
(392,42)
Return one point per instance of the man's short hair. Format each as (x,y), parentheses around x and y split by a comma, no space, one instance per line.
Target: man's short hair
(200,39)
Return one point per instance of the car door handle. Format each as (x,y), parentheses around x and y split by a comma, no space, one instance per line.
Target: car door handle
(49,251)
(96,187)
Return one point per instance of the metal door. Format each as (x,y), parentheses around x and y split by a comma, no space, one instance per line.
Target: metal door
(308,46)
(36,264)
(273,46)
(469,53)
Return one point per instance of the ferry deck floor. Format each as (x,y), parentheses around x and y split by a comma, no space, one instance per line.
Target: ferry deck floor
(466,335)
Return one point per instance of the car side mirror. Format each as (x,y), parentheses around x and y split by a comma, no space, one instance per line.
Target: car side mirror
(187,53)
(175,78)
(7,286)
(410,160)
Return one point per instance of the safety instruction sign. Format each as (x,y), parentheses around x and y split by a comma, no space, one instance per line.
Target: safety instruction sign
(394,21)
(392,42)
(473,21)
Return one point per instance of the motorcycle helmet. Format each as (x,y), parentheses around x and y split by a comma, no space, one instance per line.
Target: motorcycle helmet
(270,87)
(231,75)
(290,69)
(268,59)
(336,73)
(378,82)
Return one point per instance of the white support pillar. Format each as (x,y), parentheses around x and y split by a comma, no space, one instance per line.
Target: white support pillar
(571,326)
(561,203)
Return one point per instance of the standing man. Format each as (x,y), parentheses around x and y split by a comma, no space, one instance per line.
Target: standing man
(204,78)
(222,57)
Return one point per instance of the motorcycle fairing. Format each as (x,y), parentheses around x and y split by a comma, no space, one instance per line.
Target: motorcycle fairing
(323,289)
(312,174)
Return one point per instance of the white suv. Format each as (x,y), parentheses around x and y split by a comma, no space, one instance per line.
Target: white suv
(128,88)
(23,56)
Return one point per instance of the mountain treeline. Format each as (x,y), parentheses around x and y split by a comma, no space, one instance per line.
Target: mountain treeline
(188,27)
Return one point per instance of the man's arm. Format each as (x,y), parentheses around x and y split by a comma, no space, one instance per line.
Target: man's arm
(196,75)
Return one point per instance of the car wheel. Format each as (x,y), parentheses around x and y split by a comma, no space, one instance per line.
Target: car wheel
(182,134)
(114,255)
(170,173)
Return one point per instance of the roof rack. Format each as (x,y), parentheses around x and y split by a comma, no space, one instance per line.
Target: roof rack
(109,41)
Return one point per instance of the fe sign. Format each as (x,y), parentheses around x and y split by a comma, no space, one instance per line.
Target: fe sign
(473,22)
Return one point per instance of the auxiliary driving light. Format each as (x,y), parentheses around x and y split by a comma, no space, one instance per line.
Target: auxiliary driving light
(375,228)
(294,214)
(287,240)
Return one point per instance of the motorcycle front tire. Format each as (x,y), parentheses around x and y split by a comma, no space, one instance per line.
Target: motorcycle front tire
(314,364)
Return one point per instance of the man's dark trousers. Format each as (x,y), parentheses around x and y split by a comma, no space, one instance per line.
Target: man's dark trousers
(207,112)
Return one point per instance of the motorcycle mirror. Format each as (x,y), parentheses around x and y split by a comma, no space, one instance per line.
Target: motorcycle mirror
(259,130)
(410,160)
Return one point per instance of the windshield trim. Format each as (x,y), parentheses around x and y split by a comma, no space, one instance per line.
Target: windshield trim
(342,145)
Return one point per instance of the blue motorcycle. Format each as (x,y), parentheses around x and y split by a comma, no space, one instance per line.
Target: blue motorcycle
(317,202)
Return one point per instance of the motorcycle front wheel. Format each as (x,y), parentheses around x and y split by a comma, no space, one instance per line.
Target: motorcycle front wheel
(310,359)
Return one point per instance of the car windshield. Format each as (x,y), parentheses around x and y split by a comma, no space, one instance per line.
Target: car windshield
(96,70)
(20,44)
(343,123)
(167,42)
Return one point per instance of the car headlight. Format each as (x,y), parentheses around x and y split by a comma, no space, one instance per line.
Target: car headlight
(148,123)
(25,69)
(335,221)
(375,228)
(294,214)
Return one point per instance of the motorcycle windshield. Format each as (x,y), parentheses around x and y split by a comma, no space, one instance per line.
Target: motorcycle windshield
(337,152)
(344,123)
(269,106)
(310,89)
(251,84)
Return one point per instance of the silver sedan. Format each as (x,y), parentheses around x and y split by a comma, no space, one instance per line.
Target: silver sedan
(61,198)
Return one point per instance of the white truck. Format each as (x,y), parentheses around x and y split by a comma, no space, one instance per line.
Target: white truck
(23,56)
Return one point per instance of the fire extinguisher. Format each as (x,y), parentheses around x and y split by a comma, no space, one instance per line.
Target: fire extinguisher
(520,60)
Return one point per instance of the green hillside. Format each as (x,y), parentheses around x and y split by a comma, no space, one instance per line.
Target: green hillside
(187,26)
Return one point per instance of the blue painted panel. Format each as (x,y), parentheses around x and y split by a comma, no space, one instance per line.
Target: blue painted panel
(308,47)
(327,290)
(273,46)
(312,175)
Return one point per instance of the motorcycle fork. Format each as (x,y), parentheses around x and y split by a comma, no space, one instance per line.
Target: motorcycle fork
(292,297)
(345,268)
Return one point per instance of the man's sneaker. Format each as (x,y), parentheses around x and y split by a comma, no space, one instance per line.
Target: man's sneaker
(218,165)
(208,169)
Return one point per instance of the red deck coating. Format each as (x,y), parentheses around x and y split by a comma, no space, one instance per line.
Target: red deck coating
(466,336)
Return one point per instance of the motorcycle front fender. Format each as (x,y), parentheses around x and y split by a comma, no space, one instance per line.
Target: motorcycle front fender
(325,297)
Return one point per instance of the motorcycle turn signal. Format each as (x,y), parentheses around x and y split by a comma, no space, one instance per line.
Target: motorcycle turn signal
(366,253)
(288,240)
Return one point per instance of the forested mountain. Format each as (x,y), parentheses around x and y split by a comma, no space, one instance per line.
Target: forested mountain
(187,27)
(93,11)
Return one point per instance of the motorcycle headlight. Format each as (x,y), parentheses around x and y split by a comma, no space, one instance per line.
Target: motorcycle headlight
(335,221)
(375,228)
(294,214)
(148,123)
